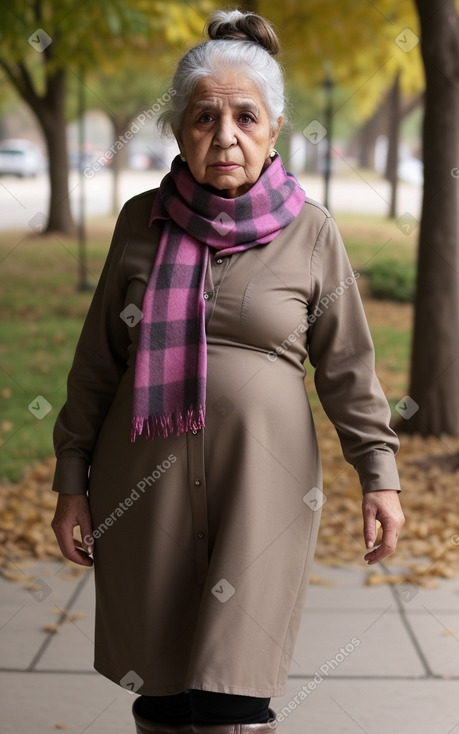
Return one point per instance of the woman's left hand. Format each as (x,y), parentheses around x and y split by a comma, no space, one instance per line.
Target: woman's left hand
(382,505)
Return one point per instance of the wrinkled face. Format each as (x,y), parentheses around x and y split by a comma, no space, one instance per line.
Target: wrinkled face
(226,136)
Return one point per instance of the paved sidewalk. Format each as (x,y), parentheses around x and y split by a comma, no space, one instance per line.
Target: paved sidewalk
(377,660)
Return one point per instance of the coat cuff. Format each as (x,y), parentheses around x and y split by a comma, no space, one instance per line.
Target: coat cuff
(378,471)
(71,476)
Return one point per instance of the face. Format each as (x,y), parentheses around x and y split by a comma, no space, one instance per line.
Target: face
(226,136)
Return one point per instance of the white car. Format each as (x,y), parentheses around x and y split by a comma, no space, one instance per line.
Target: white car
(21,158)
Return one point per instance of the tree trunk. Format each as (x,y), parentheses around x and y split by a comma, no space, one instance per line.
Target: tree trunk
(394,141)
(365,141)
(59,215)
(55,129)
(50,113)
(435,353)
(49,109)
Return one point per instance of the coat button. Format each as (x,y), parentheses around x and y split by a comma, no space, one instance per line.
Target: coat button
(219,260)
(207,295)
(197,483)
(201,536)
(194,431)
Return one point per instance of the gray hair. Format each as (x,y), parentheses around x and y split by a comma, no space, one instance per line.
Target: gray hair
(225,52)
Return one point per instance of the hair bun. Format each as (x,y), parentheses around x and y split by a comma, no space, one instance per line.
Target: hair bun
(232,25)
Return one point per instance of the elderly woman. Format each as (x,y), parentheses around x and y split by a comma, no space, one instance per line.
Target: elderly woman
(186,449)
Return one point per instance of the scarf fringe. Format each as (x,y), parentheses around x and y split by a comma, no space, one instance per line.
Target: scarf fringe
(168,425)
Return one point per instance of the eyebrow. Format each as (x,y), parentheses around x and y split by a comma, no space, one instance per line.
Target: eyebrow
(244,104)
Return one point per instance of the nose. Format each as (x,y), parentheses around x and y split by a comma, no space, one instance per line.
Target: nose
(225,136)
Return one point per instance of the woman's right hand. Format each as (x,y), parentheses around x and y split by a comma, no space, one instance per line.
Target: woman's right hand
(72,510)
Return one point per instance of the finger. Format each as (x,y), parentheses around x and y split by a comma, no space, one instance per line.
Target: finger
(387,546)
(374,556)
(86,534)
(84,557)
(369,527)
(377,554)
(69,549)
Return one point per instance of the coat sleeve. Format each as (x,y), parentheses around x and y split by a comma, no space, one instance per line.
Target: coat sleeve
(99,363)
(341,350)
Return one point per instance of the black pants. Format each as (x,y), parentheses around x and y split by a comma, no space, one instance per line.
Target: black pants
(204,707)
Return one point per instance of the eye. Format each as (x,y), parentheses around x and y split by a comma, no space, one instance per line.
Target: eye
(245,118)
(205,117)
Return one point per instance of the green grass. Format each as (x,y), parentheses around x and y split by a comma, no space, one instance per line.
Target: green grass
(392,347)
(369,239)
(42,314)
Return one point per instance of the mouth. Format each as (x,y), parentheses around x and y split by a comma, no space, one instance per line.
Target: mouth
(225,166)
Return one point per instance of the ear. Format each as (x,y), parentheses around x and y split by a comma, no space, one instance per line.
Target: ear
(178,138)
(276,131)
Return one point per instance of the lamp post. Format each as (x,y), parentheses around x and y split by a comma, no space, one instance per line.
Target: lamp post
(328,85)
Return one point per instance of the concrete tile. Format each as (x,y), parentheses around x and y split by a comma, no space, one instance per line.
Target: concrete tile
(35,702)
(25,613)
(348,591)
(371,707)
(438,636)
(383,646)
(61,578)
(72,647)
(21,634)
(443,598)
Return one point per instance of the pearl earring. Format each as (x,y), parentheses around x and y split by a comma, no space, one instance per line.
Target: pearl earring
(273,153)
(182,157)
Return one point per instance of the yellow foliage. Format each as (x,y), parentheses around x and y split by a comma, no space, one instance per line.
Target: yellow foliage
(365,45)
(185,21)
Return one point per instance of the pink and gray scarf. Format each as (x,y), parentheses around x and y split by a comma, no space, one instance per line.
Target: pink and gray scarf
(171,363)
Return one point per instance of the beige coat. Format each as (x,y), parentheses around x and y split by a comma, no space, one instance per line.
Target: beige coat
(204,542)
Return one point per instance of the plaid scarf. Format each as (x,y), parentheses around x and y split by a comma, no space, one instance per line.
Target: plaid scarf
(171,362)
